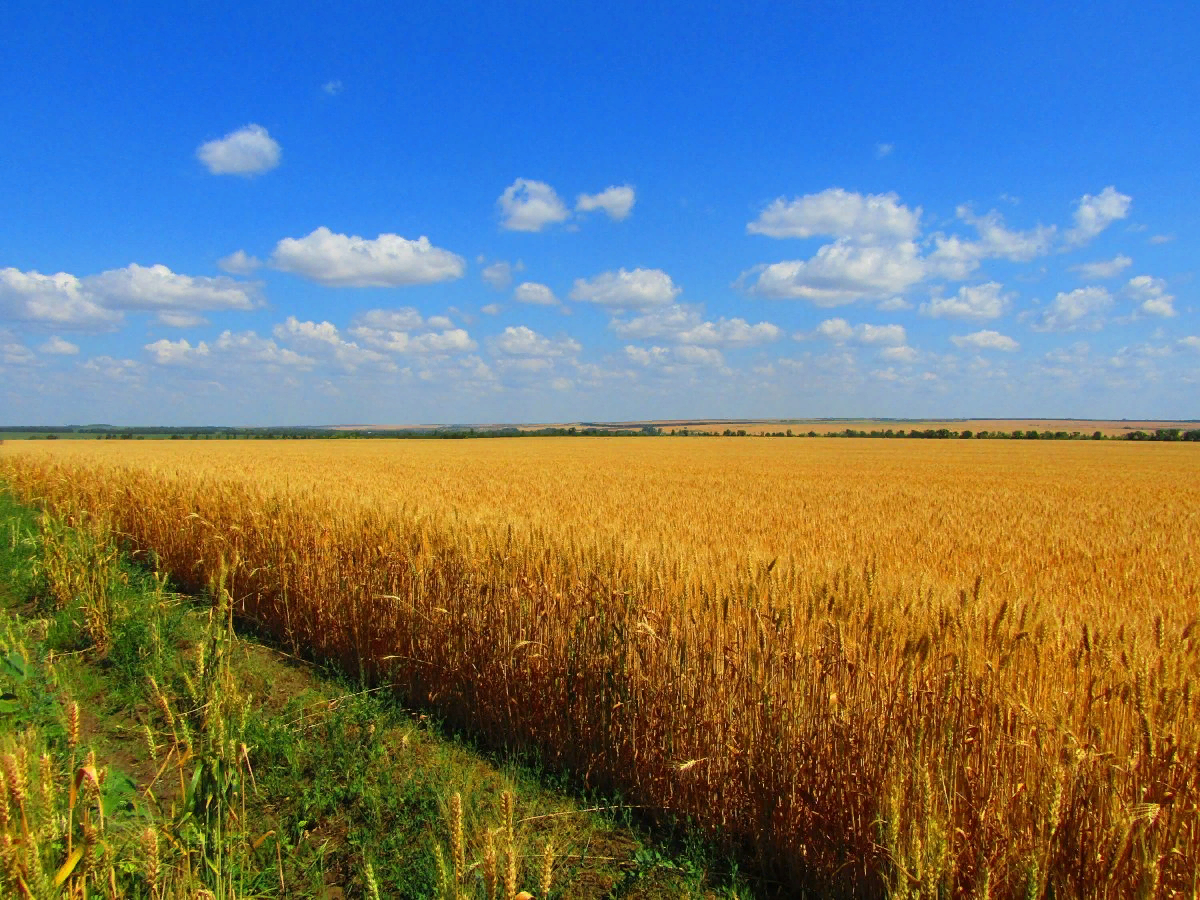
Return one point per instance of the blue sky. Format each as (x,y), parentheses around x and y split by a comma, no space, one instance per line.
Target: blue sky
(450,213)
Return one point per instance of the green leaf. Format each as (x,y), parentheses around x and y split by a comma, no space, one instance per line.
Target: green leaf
(14,665)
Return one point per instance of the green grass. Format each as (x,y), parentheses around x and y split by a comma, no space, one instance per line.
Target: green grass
(290,780)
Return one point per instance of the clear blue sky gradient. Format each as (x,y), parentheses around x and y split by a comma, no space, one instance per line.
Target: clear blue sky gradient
(823,209)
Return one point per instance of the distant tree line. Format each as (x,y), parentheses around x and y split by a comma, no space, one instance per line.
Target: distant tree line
(113,433)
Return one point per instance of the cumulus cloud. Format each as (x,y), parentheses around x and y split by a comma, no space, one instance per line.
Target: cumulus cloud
(636,289)
(841,331)
(126,371)
(158,288)
(1151,296)
(174,318)
(617,202)
(239,263)
(1082,308)
(247,151)
(841,273)
(528,205)
(664,321)
(956,258)
(983,301)
(56,346)
(60,300)
(534,293)
(492,309)
(1191,342)
(902,354)
(403,319)
(176,353)
(248,347)
(323,338)
(392,330)
(13,353)
(450,340)
(647,356)
(1102,269)
(699,356)
(985,340)
(870,219)
(1095,213)
(520,340)
(500,274)
(735,332)
(340,260)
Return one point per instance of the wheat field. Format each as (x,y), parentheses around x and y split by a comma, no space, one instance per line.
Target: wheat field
(926,668)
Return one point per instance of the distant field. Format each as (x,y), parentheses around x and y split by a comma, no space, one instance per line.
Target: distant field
(1108,427)
(959,666)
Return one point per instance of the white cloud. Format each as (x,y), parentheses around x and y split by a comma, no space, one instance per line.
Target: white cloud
(247,151)
(56,346)
(899,354)
(323,338)
(174,318)
(670,359)
(1161,239)
(61,300)
(528,205)
(534,293)
(636,289)
(663,321)
(893,304)
(1191,342)
(340,260)
(1152,294)
(499,274)
(1095,213)
(648,355)
(699,356)
(730,333)
(956,258)
(239,263)
(835,330)
(841,273)
(1102,269)
(127,371)
(520,340)
(176,353)
(403,319)
(1080,308)
(492,309)
(158,288)
(985,340)
(889,335)
(391,330)
(450,340)
(15,354)
(332,88)
(882,150)
(841,331)
(617,202)
(983,301)
(247,346)
(872,219)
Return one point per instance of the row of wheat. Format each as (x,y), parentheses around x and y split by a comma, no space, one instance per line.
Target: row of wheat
(859,712)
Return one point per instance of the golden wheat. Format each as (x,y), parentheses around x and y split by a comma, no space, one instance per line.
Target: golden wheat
(962,667)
